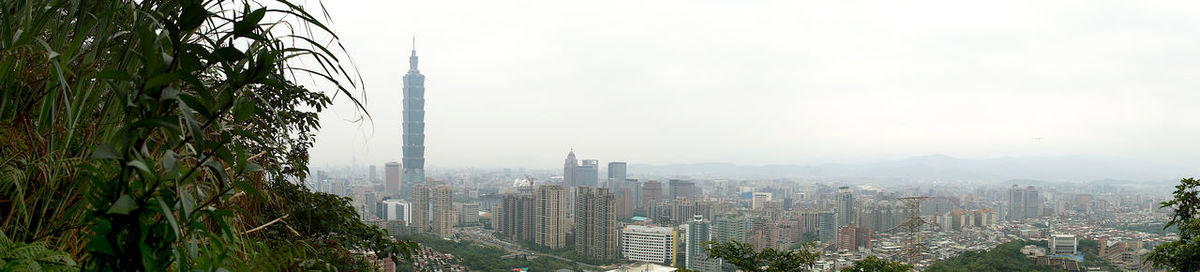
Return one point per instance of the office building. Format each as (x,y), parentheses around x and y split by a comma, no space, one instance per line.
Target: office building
(731,227)
(616,175)
(759,199)
(413,126)
(1063,244)
(649,244)
(681,189)
(827,226)
(442,207)
(651,193)
(588,174)
(845,207)
(550,216)
(1024,203)
(698,232)
(595,224)
(391,179)
(569,168)
(371,175)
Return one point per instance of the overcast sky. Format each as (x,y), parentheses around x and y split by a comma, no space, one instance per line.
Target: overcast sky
(520,83)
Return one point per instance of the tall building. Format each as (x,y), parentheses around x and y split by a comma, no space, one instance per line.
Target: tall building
(391,179)
(443,210)
(697,258)
(651,193)
(550,216)
(588,174)
(514,217)
(759,199)
(731,227)
(1024,203)
(845,207)
(827,226)
(595,223)
(371,175)
(468,213)
(616,175)
(649,244)
(682,189)
(569,167)
(851,237)
(414,125)
(420,209)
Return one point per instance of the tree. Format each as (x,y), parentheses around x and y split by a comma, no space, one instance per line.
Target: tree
(1184,254)
(168,135)
(872,264)
(744,257)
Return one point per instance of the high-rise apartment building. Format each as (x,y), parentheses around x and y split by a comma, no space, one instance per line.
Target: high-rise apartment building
(845,207)
(759,199)
(595,223)
(651,193)
(588,174)
(649,244)
(414,125)
(420,209)
(468,213)
(550,216)
(681,189)
(391,179)
(698,232)
(851,237)
(514,217)
(1024,203)
(616,175)
(731,226)
(569,168)
(443,210)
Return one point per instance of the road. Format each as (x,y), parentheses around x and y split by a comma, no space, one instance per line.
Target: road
(487,239)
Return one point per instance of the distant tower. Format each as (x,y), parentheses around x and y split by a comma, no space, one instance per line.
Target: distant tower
(414,125)
(845,207)
(569,167)
(588,174)
(391,176)
(616,175)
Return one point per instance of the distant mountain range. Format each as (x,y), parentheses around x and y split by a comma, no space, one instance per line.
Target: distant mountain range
(941,168)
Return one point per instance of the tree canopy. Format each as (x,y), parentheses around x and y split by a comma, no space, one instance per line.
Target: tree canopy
(1184,254)
(873,264)
(743,256)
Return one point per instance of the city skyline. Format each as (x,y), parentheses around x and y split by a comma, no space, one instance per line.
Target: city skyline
(774,83)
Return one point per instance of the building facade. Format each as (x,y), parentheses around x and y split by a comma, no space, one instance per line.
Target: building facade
(442,208)
(595,226)
(414,126)
(550,216)
(698,232)
(649,244)
(420,209)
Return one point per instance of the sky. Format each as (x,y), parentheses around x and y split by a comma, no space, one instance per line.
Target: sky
(521,83)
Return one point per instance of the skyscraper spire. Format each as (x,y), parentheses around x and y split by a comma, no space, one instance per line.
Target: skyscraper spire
(412,60)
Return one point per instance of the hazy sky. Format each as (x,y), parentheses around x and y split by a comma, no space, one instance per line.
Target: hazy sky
(519,83)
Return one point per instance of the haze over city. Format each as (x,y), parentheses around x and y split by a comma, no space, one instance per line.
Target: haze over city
(777,82)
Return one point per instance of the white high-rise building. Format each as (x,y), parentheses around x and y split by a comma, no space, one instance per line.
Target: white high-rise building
(648,244)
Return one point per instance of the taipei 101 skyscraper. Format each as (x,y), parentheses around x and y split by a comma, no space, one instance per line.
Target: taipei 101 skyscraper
(414,126)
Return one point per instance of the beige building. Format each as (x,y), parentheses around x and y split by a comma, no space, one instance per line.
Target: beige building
(596,223)
(444,217)
(420,209)
(550,216)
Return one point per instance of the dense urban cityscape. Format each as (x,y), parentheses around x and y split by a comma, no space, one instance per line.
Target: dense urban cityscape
(601,217)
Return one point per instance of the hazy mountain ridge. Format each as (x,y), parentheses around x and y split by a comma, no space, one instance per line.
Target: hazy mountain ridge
(941,168)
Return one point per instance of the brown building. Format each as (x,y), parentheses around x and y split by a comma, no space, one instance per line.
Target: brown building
(851,237)
(444,216)
(420,209)
(596,224)
(651,193)
(514,217)
(550,216)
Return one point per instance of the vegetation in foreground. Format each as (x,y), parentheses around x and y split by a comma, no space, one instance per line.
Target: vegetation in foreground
(478,257)
(168,135)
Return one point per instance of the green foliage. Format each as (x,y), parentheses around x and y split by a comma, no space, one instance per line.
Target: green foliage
(32,257)
(872,264)
(1005,257)
(1184,254)
(744,257)
(479,257)
(164,135)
